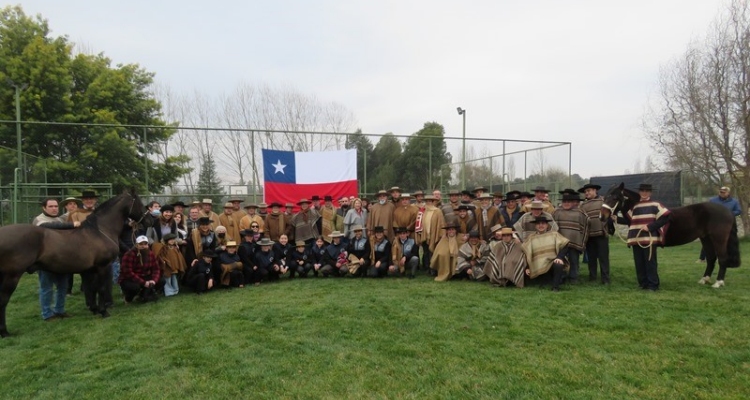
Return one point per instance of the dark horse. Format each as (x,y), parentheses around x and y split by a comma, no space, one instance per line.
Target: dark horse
(712,223)
(28,248)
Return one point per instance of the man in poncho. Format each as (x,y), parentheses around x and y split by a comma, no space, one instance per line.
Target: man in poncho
(545,251)
(471,259)
(506,262)
(445,257)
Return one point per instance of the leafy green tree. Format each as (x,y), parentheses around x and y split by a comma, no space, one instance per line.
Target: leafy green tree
(209,183)
(385,159)
(85,89)
(424,157)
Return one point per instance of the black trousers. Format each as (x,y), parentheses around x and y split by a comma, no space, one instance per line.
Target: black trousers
(426,255)
(574,259)
(646,267)
(131,289)
(199,282)
(254,275)
(378,272)
(301,270)
(598,251)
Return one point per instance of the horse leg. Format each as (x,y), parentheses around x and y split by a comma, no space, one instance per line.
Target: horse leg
(8,284)
(720,246)
(708,248)
(101,288)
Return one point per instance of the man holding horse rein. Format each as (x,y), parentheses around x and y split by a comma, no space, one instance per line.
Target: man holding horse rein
(646,219)
(48,280)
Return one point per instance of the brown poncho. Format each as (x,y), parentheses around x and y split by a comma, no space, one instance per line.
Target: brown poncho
(171,260)
(541,250)
(506,262)
(445,258)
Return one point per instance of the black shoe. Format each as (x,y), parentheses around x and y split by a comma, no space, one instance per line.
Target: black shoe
(555,289)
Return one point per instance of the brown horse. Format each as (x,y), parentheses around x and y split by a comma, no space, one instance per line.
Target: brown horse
(26,248)
(712,223)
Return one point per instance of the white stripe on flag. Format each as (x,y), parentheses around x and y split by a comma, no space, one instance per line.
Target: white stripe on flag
(326,166)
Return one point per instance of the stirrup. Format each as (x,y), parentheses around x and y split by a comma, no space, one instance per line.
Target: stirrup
(718,284)
(706,280)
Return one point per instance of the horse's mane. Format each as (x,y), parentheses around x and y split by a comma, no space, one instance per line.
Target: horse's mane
(93,219)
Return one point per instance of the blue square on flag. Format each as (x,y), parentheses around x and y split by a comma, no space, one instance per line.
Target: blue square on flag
(278,166)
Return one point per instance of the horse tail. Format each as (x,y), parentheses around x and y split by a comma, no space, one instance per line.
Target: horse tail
(733,248)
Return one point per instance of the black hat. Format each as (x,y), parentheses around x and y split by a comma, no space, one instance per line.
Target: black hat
(327,198)
(467,193)
(168,237)
(378,229)
(588,186)
(246,232)
(87,194)
(645,186)
(463,207)
(450,225)
(276,204)
(526,194)
(167,207)
(204,221)
(400,229)
(540,218)
(179,203)
(513,195)
(315,198)
(571,196)
(208,253)
(541,189)
(568,191)
(473,234)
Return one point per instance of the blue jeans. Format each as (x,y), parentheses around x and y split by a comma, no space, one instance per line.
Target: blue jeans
(46,280)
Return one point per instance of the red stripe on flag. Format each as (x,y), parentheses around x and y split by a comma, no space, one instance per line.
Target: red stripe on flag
(294,192)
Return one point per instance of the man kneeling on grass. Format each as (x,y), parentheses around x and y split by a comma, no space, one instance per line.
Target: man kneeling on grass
(140,273)
(545,251)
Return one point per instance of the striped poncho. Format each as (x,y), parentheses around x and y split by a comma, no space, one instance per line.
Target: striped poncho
(506,262)
(541,250)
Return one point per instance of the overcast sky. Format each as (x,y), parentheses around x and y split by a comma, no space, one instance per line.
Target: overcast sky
(573,71)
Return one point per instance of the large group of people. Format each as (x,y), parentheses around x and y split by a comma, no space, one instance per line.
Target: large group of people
(506,239)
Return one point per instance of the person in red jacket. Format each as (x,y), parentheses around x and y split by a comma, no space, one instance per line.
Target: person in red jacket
(140,274)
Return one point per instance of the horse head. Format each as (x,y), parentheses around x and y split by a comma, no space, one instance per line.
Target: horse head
(137,211)
(613,201)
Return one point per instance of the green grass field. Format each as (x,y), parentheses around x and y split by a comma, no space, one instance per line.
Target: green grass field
(397,338)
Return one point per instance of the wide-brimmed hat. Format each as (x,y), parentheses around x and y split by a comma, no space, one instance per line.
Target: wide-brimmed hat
(513,195)
(276,204)
(229,205)
(568,191)
(526,194)
(327,198)
(541,218)
(498,195)
(496,228)
(288,205)
(541,189)
(506,231)
(381,192)
(479,188)
(89,194)
(356,228)
(236,199)
(485,196)
(265,242)
(262,206)
(406,196)
(303,201)
(336,234)
(464,207)
(207,201)
(231,243)
(69,199)
(394,189)
(450,225)
(429,197)
(646,186)
(300,243)
(418,193)
(167,207)
(454,192)
(195,203)
(378,229)
(204,221)
(571,196)
(473,234)
(589,186)
(467,193)
(400,229)
(250,205)
(179,204)
(537,205)
(208,253)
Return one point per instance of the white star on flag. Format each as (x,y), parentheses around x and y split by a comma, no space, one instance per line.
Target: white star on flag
(279,167)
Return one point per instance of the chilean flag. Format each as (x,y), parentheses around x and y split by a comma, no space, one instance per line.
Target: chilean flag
(290,175)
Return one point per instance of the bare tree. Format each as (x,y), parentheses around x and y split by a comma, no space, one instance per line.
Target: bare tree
(702,121)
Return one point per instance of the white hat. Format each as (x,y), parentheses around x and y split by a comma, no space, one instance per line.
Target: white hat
(141,239)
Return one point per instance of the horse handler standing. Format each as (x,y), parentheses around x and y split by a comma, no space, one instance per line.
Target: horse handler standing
(646,220)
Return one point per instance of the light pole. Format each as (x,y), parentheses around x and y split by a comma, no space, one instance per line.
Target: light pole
(19,88)
(462,112)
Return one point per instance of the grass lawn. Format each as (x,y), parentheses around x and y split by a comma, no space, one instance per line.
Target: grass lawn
(397,338)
